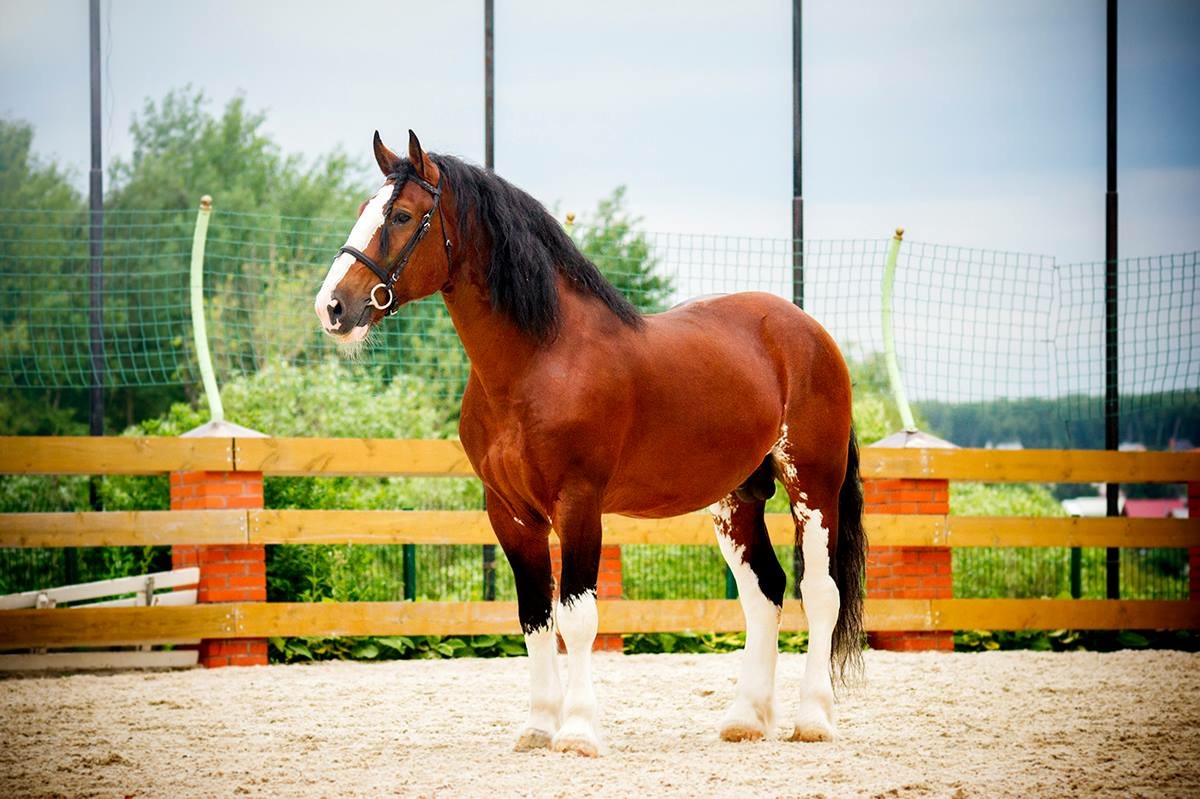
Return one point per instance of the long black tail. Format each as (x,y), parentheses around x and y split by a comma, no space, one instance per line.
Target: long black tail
(851,559)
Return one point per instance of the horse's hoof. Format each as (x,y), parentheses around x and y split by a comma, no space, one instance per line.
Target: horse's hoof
(578,741)
(812,725)
(747,721)
(739,731)
(533,738)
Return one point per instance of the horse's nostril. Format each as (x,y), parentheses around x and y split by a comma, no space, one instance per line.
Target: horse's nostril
(335,310)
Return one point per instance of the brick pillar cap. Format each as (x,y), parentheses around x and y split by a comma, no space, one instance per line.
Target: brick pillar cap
(913,439)
(223,429)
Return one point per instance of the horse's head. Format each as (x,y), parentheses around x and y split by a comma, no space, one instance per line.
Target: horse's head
(383,264)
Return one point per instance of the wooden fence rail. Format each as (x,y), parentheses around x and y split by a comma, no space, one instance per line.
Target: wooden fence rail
(362,457)
(321,457)
(125,626)
(153,528)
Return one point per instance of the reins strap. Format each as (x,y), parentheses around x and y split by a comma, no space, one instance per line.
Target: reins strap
(359,255)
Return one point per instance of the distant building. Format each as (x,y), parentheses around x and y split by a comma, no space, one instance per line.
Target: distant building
(1174,508)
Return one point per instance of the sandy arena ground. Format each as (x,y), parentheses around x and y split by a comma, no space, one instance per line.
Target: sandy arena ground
(988,725)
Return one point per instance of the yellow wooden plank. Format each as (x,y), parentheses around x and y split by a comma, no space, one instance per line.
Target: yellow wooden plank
(370,527)
(691,528)
(984,531)
(1026,531)
(1076,614)
(112,455)
(472,527)
(1031,465)
(896,530)
(123,626)
(122,528)
(24,629)
(377,618)
(352,456)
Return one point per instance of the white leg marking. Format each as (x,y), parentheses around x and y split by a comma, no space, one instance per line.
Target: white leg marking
(364,230)
(577,622)
(752,713)
(781,457)
(545,690)
(819,593)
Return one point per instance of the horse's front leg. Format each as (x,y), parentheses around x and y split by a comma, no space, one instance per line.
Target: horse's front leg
(526,544)
(577,520)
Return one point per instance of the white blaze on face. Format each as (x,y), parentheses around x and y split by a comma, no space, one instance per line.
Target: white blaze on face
(364,230)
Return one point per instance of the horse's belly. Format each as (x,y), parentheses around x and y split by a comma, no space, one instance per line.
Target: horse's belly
(665,477)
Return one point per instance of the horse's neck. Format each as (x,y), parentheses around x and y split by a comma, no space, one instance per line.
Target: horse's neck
(498,351)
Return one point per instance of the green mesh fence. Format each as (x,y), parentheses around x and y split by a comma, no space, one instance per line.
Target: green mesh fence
(971,325)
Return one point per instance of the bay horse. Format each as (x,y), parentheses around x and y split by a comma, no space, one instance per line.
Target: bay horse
(577,405)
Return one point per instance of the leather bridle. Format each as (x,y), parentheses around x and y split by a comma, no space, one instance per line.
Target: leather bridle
(388,277)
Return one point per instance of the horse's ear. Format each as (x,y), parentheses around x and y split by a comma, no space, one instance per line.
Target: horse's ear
(416,156)
(384,157)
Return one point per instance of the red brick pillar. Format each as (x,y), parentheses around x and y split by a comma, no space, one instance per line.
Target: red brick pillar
(1194,552)
(227,573)
(608,586)
(908,572)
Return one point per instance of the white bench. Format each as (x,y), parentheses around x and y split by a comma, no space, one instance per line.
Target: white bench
(143,592)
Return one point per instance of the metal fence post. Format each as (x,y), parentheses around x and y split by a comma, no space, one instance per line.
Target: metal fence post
(409,554)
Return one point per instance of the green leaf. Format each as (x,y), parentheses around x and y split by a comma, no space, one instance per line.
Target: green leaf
(512,648)
(297,647)
(366,650)
(399,643)
(1128,639)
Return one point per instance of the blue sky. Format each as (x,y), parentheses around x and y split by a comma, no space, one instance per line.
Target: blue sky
(971,123)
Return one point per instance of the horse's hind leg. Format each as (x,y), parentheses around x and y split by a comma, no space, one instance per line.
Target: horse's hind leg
(813,492)
(742,535)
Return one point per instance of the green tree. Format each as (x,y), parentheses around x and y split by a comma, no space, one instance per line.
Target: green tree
(875,413)
(276,221)
(182,150)
(623,254)
(42,245)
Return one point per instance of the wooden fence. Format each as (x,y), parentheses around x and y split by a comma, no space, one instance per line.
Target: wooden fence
(327,457)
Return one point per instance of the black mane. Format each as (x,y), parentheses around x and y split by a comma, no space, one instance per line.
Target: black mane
(528,249)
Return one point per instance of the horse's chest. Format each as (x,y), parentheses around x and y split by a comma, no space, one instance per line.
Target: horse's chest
(503,453)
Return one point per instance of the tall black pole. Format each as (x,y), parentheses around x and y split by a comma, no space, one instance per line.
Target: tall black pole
(96,236)
(489,86)
(797,210)
(1112,410)
(489,160)
(95,272)
(797,160)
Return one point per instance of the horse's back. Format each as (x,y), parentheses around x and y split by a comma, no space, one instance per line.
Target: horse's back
(713,383)
(761,325)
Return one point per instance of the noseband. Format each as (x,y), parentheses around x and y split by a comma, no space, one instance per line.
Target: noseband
(388,278)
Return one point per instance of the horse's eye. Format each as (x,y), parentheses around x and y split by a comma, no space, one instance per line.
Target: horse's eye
(400,218)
